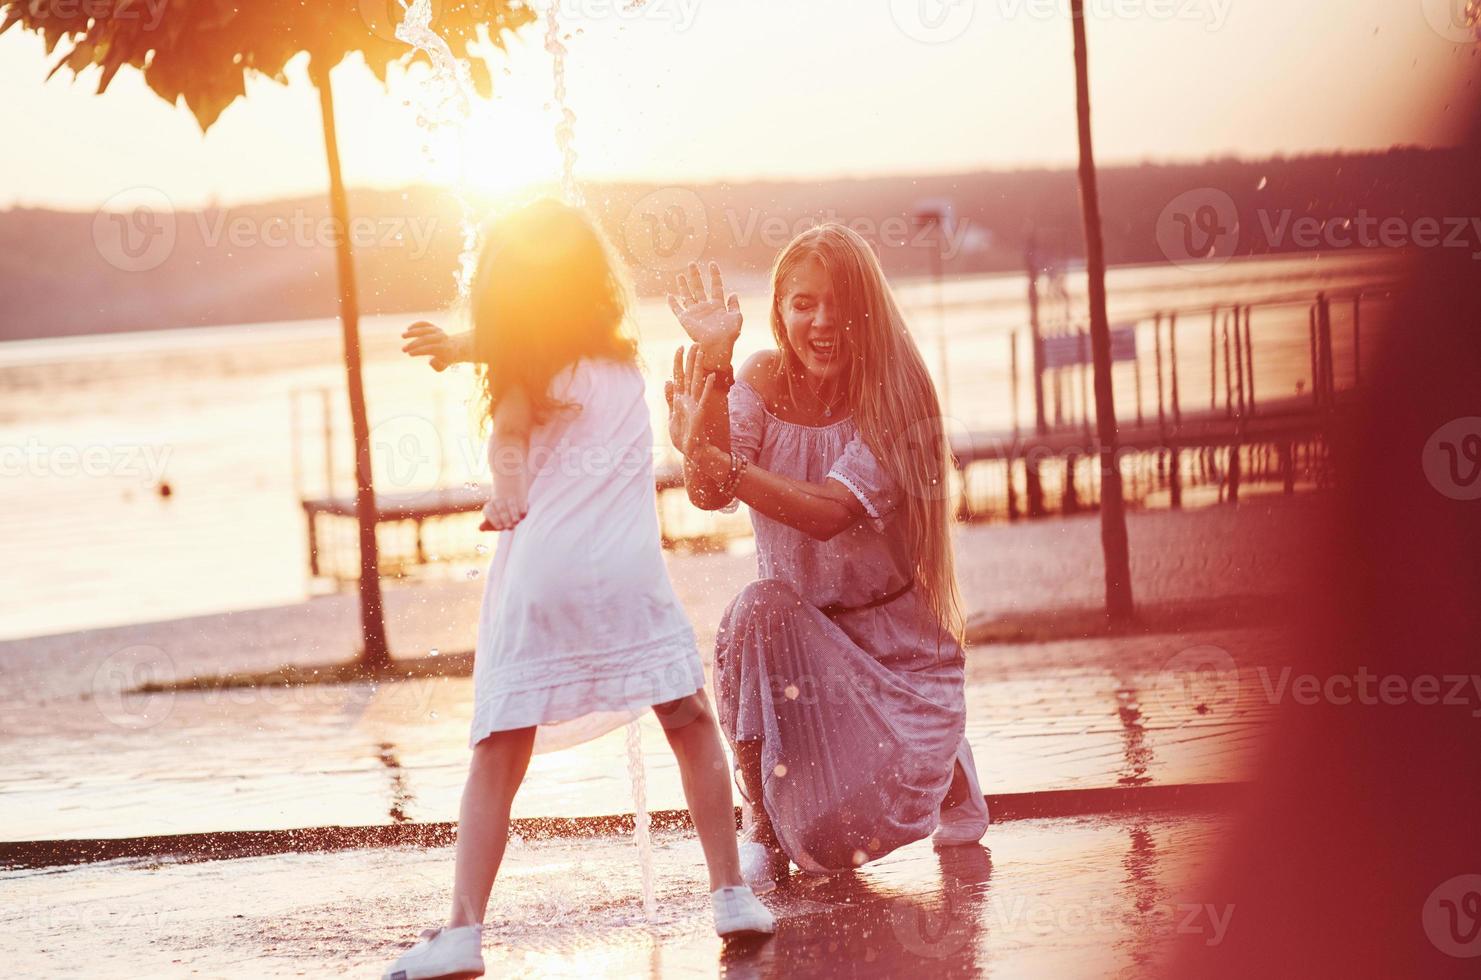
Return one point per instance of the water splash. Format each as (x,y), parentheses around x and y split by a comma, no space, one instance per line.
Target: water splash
(445,102)
(565,129)
(641,835)
(565,138)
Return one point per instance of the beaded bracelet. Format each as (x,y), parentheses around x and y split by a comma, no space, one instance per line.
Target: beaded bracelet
(738,464)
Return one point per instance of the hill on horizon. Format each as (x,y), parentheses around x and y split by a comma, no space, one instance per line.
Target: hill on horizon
(65,273)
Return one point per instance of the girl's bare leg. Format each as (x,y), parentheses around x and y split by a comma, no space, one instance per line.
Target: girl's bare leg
(690,726)
(498,767)
(748,760)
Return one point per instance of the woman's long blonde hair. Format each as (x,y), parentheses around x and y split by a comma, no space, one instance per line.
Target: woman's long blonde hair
(547,294)
(892,398)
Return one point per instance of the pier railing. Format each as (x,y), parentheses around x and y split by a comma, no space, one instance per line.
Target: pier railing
(1212,411)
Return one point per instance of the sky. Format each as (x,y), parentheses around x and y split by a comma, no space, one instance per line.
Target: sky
(702,90)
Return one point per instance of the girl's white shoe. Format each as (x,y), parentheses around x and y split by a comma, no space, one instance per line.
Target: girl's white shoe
(738,912)
(966,822)
(443,954)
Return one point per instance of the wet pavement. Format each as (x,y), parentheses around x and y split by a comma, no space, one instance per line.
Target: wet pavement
(1102,893)
(86,760)
(1088,896)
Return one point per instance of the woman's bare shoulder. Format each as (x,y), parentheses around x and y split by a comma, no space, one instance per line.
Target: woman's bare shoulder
(760,372)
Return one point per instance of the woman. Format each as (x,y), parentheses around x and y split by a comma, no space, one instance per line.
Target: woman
(840,671)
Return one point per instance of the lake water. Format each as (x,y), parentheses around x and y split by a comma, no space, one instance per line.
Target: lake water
(91,426)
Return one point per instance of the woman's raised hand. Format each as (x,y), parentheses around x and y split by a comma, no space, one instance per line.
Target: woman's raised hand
(709,319)
(690,395)
(429,340)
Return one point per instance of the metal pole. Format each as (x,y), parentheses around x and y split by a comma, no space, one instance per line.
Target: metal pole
(1213,360)
(1172,355)
(1239,356)
(1249,357)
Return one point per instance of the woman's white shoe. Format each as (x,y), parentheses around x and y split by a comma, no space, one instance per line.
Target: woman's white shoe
(738,912)
(443,954)
(761,866)
(966,822)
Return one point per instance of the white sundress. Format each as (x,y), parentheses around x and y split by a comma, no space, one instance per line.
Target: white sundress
(581,629)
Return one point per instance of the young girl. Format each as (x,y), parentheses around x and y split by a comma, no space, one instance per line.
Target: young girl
(579,617)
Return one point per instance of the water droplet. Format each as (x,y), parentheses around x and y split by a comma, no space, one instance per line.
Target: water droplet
(860,857)
(779,771)
(791,692)
(433,652)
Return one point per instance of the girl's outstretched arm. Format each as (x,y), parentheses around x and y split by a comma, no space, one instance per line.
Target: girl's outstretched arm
(509,499)
(428,340)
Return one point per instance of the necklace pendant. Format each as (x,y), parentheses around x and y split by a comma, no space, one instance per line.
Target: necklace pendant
(828,412)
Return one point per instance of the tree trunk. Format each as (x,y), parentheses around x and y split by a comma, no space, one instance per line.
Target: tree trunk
(1113,509)
(374,653)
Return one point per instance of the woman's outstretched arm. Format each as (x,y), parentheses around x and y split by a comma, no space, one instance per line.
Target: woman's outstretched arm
(711,415)
(712,319)
(819,510)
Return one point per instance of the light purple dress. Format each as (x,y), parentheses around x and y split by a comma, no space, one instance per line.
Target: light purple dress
(860,713)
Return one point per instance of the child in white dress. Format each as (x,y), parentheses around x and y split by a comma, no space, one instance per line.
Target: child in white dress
(580,626)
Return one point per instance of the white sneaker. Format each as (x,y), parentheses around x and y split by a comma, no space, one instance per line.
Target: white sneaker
(761,866)
(966,822)
(738,912)
(443,954)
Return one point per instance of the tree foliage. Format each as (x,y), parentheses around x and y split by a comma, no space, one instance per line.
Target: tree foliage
(201,51)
